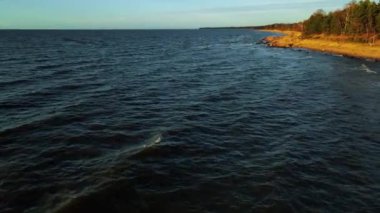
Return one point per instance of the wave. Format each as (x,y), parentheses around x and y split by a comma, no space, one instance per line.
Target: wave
(48,66)
(77,41)
(367,69)
(58,119)
(141,147)
(156,139)
(183,127)
(14,82)
(114,197)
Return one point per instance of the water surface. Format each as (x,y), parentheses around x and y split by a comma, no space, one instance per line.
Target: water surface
(194,121)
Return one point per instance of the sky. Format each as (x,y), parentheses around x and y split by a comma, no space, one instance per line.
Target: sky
(155,14)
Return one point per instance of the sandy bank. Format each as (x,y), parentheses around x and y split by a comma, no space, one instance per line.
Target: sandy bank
(291,39)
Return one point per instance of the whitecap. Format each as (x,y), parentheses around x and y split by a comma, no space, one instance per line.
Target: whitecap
(132,150)
(155,139)
(367,69)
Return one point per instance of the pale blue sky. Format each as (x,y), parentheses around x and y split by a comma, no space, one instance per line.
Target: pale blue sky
(154,14)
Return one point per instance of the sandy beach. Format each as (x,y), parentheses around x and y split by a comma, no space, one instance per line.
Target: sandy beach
(292,39)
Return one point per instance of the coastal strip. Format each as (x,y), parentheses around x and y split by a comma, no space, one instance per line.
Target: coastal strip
(294,39)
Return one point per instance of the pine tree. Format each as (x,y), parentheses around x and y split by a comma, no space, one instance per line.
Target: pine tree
(314,25)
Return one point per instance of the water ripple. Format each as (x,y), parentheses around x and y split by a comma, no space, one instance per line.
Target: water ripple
(184,121)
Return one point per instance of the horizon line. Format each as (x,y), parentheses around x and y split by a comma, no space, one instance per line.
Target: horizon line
(89,29)
(197,28)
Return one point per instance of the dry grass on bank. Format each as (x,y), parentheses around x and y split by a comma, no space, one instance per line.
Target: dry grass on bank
(332,44)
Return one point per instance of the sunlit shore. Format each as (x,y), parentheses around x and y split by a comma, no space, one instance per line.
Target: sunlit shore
(293,39)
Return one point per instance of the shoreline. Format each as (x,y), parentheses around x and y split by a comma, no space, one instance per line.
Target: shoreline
(293,39)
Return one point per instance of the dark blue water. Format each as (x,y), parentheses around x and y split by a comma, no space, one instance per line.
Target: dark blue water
(184,121)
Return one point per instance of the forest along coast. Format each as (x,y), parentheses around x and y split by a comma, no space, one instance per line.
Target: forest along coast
(352,31)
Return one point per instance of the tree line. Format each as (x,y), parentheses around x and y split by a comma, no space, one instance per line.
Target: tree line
(359,20)
(283,27)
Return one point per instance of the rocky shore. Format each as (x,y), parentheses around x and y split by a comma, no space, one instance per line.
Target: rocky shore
(291,39)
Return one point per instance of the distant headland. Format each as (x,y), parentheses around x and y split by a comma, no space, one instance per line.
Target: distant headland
(352,31)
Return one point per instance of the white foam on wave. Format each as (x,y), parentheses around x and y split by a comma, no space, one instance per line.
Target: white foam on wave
(156,139)
(139,147)
(367,69)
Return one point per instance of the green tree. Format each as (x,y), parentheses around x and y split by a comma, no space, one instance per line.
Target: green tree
(326,24)
(314,25)
(378,23)
(358,19)
(337,23)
